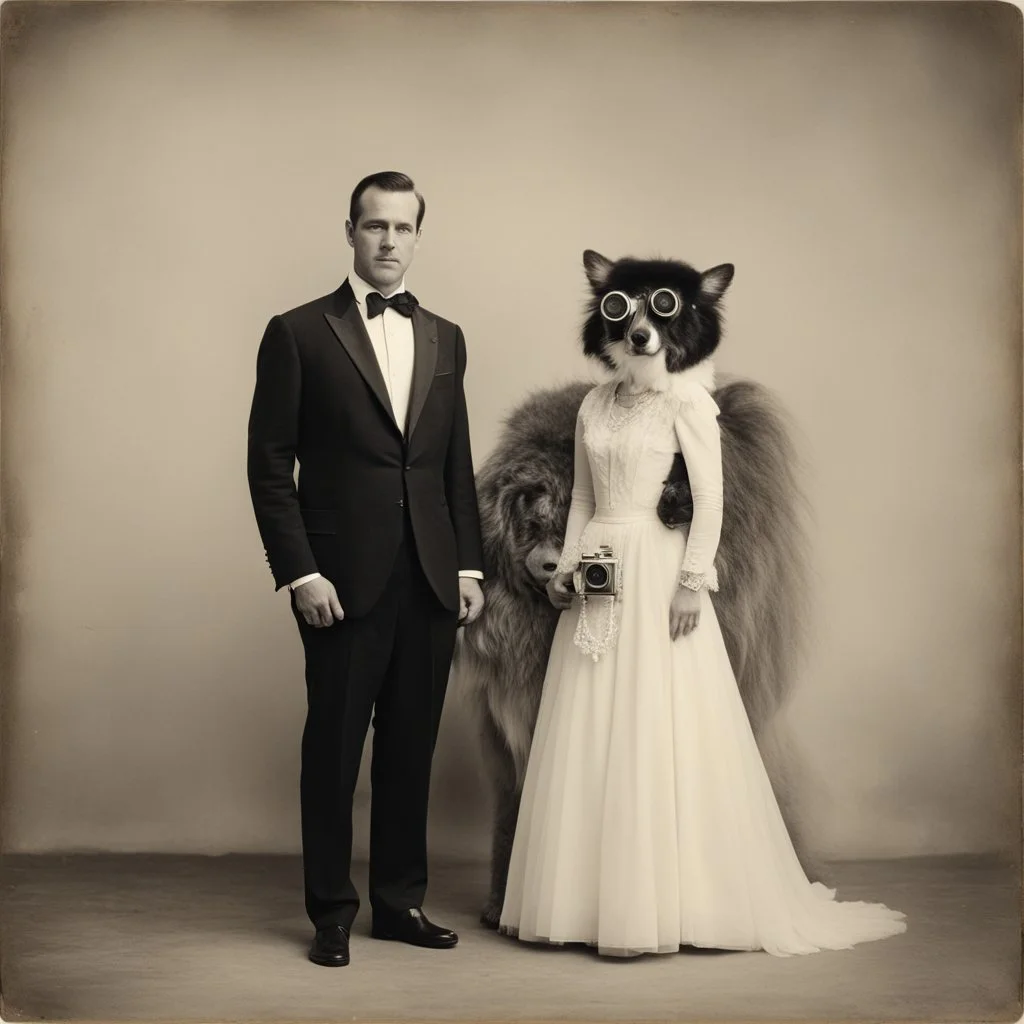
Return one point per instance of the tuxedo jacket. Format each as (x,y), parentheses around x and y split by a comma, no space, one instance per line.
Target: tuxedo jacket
(320,398)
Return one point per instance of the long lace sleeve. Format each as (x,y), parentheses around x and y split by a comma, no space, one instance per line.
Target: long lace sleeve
(582,505)
(700,440)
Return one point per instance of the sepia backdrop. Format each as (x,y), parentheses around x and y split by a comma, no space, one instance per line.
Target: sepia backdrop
(173,175)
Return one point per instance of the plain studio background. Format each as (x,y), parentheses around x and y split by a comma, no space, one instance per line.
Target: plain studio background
(175,175)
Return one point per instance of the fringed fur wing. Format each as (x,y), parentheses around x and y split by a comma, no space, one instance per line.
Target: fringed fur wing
(762,559)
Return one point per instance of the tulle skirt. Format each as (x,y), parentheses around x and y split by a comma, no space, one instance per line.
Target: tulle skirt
(647,819)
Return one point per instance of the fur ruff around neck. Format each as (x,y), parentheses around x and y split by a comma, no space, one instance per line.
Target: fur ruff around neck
(701,374)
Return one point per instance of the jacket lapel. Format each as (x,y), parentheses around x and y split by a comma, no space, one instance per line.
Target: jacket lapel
(348,326)
(424,331)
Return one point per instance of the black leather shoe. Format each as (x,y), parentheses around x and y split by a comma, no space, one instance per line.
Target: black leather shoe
(330,946)
(413,927)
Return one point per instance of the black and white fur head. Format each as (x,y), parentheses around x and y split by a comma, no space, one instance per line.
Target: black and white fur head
(650,319)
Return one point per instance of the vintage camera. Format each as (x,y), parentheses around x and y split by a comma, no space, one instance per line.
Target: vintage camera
(598,574)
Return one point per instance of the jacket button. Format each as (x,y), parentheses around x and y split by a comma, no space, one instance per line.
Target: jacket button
(407,468)
(401,501)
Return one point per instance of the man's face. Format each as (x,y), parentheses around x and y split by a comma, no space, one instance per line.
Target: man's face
(385,238)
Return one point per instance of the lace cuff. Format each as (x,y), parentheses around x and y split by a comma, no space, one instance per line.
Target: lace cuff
(699,580)
(570,558)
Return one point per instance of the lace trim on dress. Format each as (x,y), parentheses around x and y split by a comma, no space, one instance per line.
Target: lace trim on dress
(618,416)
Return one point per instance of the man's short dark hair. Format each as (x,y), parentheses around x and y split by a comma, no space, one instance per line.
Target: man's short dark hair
(389,181)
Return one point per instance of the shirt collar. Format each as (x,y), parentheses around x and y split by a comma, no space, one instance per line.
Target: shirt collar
(361,288)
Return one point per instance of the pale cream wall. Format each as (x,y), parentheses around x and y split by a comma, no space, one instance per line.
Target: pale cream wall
(173,176)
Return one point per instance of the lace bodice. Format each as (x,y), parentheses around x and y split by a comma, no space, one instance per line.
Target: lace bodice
(629,450)
(623,457)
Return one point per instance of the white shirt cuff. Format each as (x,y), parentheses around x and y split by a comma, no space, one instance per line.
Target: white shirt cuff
(303,579)
(472,574)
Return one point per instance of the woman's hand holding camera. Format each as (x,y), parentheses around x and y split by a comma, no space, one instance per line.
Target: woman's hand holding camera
(684,613)
(559,588)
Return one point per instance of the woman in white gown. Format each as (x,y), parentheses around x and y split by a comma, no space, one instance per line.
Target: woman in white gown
(647,820)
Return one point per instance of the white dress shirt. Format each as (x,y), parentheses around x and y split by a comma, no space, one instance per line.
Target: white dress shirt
(392,338)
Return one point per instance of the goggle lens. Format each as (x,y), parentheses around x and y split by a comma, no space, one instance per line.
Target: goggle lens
(616,306)
(665,302)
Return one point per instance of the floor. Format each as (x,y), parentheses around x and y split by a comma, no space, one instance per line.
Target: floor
(192,938)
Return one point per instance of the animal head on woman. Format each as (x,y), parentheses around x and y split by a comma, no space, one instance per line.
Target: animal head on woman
(647,319)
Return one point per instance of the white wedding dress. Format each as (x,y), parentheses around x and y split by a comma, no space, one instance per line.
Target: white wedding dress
(647,819)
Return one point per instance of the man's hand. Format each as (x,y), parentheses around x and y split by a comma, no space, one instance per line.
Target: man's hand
(317,602)
(471,600)
(560,592)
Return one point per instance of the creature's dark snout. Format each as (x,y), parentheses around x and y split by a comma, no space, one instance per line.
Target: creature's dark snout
(542,561)
(640,336)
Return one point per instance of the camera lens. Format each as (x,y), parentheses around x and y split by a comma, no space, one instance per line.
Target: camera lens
(597,576)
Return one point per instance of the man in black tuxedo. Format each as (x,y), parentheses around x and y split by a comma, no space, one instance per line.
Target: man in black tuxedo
(379,543)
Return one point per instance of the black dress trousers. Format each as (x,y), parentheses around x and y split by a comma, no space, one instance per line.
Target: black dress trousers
(390,665)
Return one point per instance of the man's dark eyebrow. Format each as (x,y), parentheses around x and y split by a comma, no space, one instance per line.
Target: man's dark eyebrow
(375,221)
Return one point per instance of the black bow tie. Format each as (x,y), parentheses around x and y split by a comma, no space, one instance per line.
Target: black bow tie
(403,302)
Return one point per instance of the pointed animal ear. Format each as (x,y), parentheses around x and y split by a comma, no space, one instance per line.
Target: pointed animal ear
(713,282)
(597,268)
